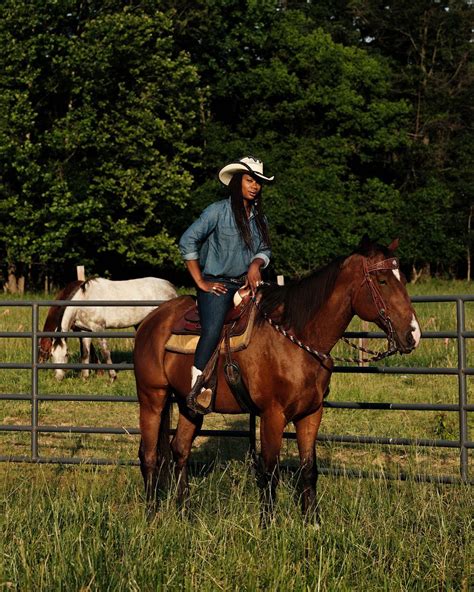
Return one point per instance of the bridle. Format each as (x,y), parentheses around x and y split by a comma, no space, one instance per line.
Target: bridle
(392,348)
(390,264)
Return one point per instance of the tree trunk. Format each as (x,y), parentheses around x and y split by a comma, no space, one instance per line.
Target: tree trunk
(15,283)
(11,286)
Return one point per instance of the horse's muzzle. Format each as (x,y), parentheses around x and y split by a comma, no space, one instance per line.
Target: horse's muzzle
(407,344)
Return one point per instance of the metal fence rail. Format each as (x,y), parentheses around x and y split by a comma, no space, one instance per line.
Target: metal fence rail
(462,408)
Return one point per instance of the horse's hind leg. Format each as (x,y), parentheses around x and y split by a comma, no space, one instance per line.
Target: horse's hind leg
(272,424)
(306,433)
(154,450)
(104,346)
(181,443)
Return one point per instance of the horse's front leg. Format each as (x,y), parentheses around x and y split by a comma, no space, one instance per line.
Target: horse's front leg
(272,424)
(85,343)
(306,433)
(104,347)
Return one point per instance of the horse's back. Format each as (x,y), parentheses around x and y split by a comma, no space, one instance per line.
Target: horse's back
(95,318)
(149,288)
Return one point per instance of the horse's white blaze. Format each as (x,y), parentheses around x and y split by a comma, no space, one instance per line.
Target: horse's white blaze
(416,330)
(396,272)
(59,356)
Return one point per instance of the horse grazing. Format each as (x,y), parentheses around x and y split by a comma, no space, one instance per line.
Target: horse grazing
(53,321)
(286,382)
(98,318)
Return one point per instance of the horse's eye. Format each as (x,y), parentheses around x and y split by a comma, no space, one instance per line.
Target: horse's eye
(382,282)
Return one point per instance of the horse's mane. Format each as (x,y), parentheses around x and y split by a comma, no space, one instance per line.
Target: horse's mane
(301,299)
(85,283)
(56,313)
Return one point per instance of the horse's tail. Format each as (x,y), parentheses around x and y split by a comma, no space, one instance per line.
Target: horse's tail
(164,446)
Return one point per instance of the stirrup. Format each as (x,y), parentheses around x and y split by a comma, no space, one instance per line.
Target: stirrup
(192,402)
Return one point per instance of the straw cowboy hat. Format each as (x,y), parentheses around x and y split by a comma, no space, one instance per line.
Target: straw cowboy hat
(250,165)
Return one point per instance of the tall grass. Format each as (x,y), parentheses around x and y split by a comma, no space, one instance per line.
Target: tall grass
(79,528)
(82,529)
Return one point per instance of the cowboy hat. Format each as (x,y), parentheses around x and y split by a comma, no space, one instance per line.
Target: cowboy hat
(250,165)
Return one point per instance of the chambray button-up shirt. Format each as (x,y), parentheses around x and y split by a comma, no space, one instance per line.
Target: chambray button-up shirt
(215,240)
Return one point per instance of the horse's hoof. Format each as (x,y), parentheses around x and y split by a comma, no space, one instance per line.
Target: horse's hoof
(113,378)
(312,520)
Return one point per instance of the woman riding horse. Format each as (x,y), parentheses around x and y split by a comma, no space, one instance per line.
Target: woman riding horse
(225,249)
(286,372)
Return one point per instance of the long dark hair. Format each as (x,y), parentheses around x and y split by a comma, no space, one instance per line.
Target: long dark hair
(240,214)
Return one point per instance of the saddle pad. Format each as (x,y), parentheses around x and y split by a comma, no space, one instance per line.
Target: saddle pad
(186,344)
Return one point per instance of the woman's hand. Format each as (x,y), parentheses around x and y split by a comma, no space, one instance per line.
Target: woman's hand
(212,287)
(254,277)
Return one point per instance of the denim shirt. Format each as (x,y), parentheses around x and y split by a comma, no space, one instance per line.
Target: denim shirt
(215,240)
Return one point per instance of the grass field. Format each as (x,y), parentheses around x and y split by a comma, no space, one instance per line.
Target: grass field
(80,528)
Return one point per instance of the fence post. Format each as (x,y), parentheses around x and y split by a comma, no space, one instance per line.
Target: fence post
(34,383)
(81,273)
(462,386)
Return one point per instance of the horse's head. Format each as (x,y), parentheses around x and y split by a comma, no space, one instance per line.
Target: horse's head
(59,355)
(380,295)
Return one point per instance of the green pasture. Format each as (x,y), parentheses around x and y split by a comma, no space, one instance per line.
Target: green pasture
(84,528)
(344,387)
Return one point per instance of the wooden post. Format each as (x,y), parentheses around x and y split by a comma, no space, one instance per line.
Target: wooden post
(81,274)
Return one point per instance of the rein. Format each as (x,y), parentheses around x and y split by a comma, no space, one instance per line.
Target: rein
(386,264)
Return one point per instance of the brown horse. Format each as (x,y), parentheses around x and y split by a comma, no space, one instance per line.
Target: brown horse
(286,382)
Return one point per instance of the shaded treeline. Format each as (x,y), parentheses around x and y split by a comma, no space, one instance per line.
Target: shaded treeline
(115,117)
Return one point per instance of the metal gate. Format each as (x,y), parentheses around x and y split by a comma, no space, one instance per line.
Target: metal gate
(462,408)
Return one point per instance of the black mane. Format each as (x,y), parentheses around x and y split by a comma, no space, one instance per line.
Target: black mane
(56,313)
(302,298)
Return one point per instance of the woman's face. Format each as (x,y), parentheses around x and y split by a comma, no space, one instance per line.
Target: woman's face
(250,187)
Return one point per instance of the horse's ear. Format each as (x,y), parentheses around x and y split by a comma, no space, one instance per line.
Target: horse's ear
(393,246)
(365,244)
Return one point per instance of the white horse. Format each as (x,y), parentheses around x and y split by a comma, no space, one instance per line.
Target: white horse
(99,318)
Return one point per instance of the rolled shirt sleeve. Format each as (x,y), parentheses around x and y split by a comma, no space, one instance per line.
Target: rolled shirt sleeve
(263,251)
(192,239)
(265,255)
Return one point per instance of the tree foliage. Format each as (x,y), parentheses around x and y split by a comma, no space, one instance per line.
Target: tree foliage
(116,116)
(97,144)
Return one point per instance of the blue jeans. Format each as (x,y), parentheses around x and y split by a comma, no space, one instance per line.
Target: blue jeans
(212,312)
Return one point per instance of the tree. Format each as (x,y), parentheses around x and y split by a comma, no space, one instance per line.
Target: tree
(318,114)
(97,134)
(429,47)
